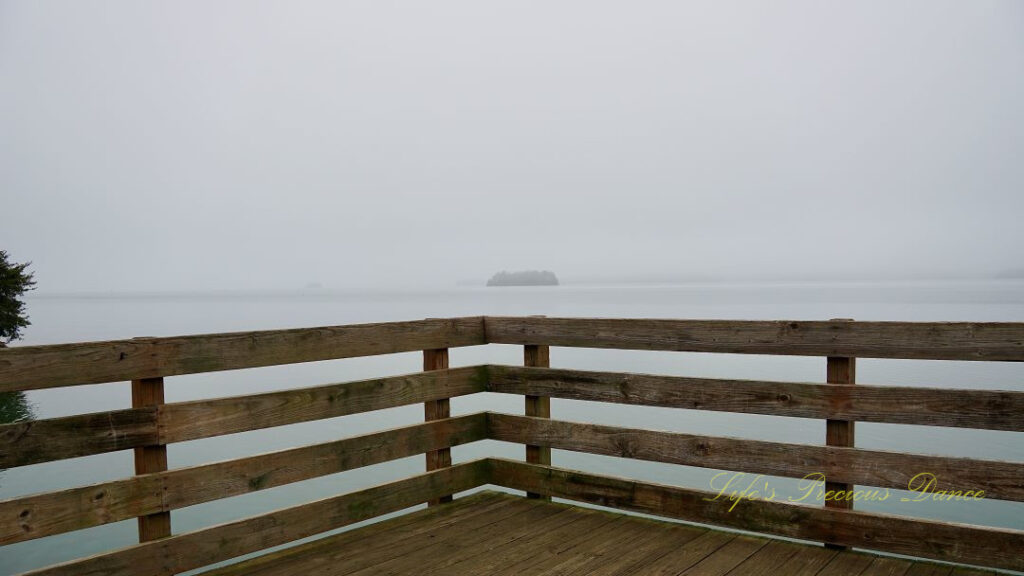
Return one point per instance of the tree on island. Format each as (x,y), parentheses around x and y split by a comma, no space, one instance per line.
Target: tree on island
(14,282)
(524,278)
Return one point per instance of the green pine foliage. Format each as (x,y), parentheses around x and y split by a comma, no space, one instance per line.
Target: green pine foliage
(14,282)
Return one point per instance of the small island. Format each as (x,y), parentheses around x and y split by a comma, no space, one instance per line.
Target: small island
(524,278)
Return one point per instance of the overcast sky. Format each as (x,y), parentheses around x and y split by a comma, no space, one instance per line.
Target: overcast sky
(196,145)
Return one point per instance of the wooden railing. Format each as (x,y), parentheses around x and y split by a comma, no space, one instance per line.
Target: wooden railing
(150,425)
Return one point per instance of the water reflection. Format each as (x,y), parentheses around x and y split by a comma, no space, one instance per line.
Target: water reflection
(14,407)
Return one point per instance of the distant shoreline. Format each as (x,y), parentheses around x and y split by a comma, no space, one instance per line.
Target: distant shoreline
(524,278)
(479,284)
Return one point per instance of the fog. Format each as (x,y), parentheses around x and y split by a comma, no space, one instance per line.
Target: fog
(268,145)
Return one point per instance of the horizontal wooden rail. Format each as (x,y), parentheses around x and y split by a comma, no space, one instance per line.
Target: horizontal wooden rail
(1002,341)
(985,409)
(996,547)
(999,480)
(37,441)
(34,441)
(225,541)
(41,515)
(205,418)
(157,493)
(52,513)
(35,367)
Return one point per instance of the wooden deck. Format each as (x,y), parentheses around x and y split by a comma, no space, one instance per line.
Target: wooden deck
(501,534)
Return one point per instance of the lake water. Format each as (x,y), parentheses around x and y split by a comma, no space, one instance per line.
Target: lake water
(58,319)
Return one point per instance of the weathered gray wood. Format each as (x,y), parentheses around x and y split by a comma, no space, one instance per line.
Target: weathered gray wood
(34,441)
(41,515)
(33,367)
(993,547)
(999,480)
(986,409)
(204,418)
(203,547)
(149,459)
(1002,341)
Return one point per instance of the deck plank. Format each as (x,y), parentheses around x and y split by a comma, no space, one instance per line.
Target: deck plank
(848,564)
(371,554)
(768,560)
(887,567)
(923,569)
(507,535)
(723,560)
(652,547)
(503,535)
(694,551)
(562,544)
(336,551)
(808,561)
(434,551)
(536,548)
(594,550)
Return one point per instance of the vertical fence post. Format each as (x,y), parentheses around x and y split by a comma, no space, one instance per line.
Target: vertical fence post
(149,392)
(840,370)
(437,359)
(538,406)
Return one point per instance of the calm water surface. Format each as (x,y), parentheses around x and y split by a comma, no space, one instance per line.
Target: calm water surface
(68,319)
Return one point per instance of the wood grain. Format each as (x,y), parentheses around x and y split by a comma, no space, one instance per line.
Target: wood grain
(839,370)
(149,459)
(986,409)
(999,480)
(192,550)
(35,441)
(1003,341)
(537,406)
(35,367)
(993,547)
(357,549)
(51,513)
(205,418)
(520,537)
(437,359)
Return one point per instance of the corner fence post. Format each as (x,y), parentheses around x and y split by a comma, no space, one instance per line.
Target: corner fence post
(538,406)
(149,392)
(840,370)
(437,359)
